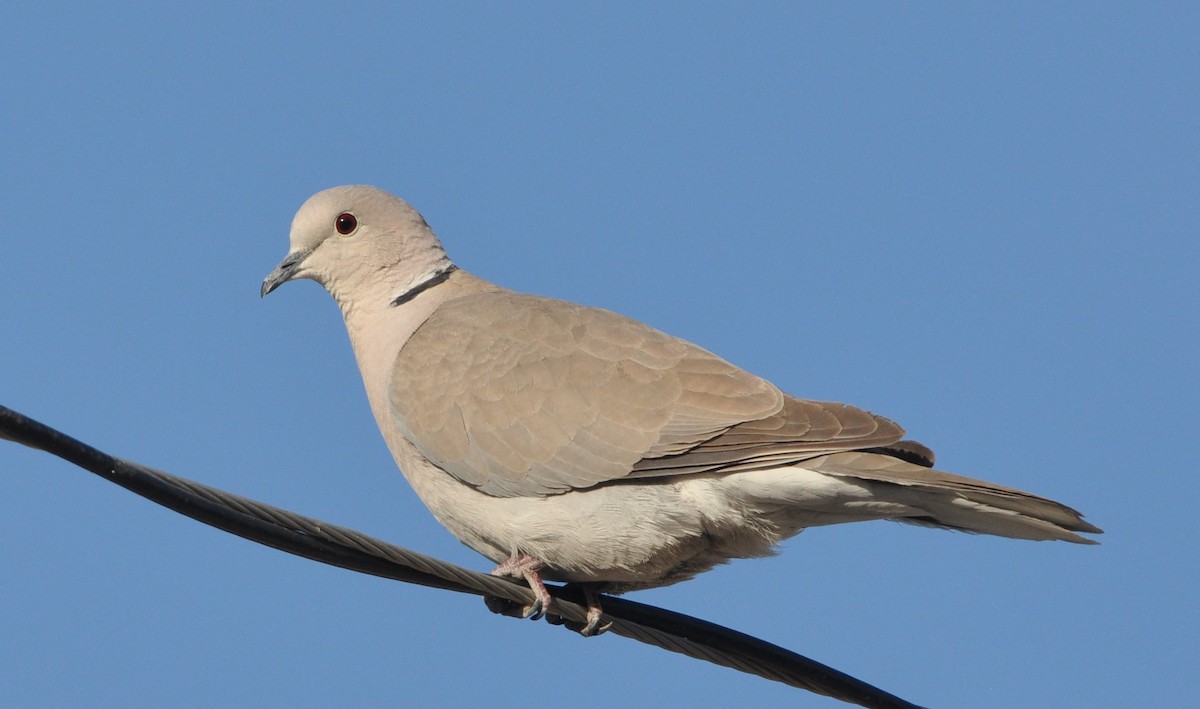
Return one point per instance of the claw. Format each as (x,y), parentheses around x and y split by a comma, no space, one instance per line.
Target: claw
(593,627)
(594,614)
(534,611)
(528,568)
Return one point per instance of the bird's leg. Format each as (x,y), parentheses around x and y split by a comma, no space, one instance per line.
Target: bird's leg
(529,568)
(591,593)
(594,613)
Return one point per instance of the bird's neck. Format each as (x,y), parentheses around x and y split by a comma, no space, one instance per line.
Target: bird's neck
(380,323)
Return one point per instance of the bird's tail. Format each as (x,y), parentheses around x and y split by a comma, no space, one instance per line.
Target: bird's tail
(938,499)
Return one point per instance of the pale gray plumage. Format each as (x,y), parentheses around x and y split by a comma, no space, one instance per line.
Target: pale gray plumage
(553,397)
(581,445)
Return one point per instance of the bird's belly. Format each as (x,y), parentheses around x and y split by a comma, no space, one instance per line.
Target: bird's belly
(631,535)
(625,536)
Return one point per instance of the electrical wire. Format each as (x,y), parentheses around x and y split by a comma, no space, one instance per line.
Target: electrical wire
(349,549)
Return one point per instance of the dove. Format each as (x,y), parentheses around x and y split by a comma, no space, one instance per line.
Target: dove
(569,443)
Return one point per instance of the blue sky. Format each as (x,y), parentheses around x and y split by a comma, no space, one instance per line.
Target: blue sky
(978,220)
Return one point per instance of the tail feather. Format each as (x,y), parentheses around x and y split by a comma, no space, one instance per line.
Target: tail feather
(961,503)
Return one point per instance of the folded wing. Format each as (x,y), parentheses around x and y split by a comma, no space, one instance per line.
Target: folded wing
(520,395)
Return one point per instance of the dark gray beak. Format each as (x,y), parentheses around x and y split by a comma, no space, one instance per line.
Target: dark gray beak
(285,271)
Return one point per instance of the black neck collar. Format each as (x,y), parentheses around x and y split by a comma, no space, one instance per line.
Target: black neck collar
(435,279)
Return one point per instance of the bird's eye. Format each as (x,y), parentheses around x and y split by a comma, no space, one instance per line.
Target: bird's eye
(345,223)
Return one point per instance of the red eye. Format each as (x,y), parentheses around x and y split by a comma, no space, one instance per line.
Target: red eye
(345,223)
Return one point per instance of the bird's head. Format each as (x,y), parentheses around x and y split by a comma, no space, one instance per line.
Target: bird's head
(355,237)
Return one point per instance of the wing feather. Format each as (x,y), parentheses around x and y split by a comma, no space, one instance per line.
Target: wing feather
(519,395)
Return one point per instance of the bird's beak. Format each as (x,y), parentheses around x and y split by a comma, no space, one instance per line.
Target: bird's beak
(285,271)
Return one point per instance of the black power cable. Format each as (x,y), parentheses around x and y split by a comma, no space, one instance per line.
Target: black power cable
(339,546)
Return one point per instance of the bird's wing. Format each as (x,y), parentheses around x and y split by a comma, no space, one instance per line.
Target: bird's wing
(520,395)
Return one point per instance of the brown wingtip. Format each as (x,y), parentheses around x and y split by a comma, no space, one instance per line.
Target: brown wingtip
(908,451)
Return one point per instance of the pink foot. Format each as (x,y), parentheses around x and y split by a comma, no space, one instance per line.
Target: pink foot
(594,613)
(528,568)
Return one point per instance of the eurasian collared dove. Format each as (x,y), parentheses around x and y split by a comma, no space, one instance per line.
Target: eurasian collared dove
(574,444)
